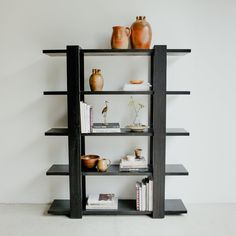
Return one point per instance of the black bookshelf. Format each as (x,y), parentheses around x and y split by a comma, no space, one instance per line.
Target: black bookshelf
(158,169)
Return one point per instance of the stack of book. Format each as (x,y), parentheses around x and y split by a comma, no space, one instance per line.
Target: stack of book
(137,87)
(144,195)
(86,117)
(103,201)
(133,164)
(106,128)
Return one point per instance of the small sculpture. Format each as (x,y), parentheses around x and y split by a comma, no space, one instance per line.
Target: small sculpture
(137,107)
(104,112)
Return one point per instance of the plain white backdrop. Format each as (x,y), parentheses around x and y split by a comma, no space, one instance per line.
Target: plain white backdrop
(29,26)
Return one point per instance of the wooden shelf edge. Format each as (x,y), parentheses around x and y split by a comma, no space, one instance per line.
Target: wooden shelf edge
(63,170)
(118,52)
(125,207)
(117,93)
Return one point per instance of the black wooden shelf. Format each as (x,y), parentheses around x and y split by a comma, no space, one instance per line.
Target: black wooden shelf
(117,52)
(125,207)
(117,93)
(62,170)
(75,62)
(124,132)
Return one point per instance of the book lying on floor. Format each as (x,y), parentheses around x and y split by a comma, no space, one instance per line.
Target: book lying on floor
(101,201)
(136,164)
(144,195)
(103,128)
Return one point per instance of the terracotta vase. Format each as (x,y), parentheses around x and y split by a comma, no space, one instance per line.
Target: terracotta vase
(120,37)
(141,33)
(96,81)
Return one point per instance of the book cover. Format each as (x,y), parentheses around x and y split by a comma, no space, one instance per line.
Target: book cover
(111,206)
(101,199)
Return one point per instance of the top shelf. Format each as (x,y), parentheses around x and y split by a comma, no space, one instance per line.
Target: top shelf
(117,52)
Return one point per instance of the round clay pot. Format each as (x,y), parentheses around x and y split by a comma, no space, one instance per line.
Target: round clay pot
(141,33)
(120,37)
(89,161)
(96,81)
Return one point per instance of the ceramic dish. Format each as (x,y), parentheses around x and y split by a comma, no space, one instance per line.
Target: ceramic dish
(137,128)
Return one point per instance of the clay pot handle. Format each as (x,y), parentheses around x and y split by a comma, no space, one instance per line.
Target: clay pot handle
(128,31)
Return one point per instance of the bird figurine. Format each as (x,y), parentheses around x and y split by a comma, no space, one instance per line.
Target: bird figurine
(104,112)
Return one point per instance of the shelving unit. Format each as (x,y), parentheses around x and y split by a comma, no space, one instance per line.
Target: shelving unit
(157,133)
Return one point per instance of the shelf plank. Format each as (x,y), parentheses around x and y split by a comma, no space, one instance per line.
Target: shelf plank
(60,170)
(117,92)
(57,132)
(176,132)
(59,207)
(178,92)
(171,170)
(125,207)
(176,169)
(55,93)
(55,52)
(117,52)
(174,207)
(124,132)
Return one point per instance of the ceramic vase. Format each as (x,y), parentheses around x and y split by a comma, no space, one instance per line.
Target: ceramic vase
(120,37)
(141,33)
(96,81)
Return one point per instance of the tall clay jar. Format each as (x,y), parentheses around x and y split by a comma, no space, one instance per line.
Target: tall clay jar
(120,37)
(96,81)
(141,33)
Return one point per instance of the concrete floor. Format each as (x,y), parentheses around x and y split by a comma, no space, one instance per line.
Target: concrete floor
(202,220)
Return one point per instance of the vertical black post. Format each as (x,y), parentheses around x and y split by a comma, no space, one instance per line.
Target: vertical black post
(73,106)
(159,128)
(82,137)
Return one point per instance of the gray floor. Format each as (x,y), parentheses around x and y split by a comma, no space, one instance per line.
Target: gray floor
(202,219)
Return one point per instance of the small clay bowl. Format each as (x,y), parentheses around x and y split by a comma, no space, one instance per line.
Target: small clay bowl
(89,161)
(136,81)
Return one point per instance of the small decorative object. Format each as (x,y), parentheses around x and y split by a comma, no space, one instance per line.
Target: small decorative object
(120,37)
(136,81)
(136,126)
(138,152)
(130,157)
(141,33)
(89,161)
(103,164)
(104,112)
(137,108)
(96,81)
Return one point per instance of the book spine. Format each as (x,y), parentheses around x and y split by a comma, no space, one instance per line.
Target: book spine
(137,197)
(82,117)
(91,119)
(147,194)
(150,195)
(140,197)
(143,195)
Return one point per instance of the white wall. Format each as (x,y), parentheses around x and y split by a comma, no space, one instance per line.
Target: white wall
(28,26)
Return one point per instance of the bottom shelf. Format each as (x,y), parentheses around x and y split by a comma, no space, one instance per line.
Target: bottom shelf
(125,207)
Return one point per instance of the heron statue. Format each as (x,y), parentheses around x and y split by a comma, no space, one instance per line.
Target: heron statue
(104,112)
